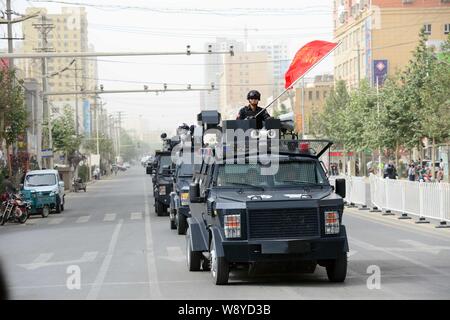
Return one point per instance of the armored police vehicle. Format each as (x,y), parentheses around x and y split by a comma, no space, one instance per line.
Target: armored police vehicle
(179,197)
(162,181)
(241,216)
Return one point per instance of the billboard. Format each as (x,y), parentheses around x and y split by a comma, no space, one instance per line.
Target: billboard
(380,70)
(87,118)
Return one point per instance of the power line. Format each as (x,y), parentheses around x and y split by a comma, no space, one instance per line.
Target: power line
(311,10)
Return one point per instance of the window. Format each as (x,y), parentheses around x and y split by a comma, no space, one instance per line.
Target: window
(447,28)
(310,95)
(317,95)
(427,28)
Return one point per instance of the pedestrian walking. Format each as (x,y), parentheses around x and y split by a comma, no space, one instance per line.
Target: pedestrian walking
(412,172)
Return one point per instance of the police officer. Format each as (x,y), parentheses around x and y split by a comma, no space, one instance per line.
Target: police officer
(252,109)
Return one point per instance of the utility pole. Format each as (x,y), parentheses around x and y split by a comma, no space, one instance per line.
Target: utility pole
(44,29)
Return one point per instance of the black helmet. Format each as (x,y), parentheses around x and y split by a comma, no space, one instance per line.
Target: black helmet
(253,94)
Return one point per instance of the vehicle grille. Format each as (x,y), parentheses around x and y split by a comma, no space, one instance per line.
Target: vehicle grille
(283,223)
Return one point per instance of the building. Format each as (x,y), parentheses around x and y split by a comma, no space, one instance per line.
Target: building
(278,55)
(243,72)
(316,93)
(66,32)
(379,36)
(213,68)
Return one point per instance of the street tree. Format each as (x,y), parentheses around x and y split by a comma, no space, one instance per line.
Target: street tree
(65,138)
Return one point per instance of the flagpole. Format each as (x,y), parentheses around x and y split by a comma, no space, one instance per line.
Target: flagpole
(293,83)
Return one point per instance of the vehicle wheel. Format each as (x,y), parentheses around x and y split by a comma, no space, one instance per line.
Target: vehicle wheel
(45,211)
(62,207)
(220,268)
(193,258)
(23,217)
(206,264)
(182,224)
(58,206)
(337,269)
(3,218)
(159,207)
(173,225)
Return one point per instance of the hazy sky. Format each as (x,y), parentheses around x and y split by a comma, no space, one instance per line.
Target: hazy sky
(171,25)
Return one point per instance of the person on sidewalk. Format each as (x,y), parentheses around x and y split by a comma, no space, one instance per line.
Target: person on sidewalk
(412,172)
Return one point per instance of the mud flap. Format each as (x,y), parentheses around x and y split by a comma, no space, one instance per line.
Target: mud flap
(198,235)
(344,234)
(217,238)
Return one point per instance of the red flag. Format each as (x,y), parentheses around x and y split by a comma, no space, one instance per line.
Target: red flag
(305,58)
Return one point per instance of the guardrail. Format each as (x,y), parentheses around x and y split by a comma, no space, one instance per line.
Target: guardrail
(422,199)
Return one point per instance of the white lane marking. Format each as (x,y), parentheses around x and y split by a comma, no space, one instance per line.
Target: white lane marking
(175,254)
(136,215)
(421,247)
(155,291)
(95,289)
(110,217)
(368,246)
(43,260)
(55,220)
(83,219)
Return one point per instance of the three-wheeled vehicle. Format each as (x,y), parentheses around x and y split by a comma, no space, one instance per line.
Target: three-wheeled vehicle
(273,208)
(45,191)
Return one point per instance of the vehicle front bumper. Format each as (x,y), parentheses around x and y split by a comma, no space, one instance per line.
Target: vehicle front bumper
(249,251)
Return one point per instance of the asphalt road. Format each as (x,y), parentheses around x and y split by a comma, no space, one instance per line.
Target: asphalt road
(111,237)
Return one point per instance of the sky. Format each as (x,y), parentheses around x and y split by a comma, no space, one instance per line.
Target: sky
(169,25)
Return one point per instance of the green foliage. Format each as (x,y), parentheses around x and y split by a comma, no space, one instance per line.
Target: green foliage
(106,147)
(411,105)
(64,135)
(128,149)
(83,172)
(13,113)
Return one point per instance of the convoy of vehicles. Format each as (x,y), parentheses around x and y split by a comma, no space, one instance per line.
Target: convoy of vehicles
(240,217)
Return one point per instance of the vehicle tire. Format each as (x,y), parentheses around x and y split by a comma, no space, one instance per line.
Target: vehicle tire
(173,225)
(337,269)
(3,217)
(24,217)
(159,207)
(58,206)
(182,224)
(220,269)
(45,211)
(194,258)
(62,207)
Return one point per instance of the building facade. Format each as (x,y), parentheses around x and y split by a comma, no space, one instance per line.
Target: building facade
(243,72)
(213,68)
(315,95)
(379,36)
(66,32)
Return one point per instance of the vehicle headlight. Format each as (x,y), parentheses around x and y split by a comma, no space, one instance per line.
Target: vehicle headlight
(272,134)
(162,190)
(254,134)
(232,225)
(184,196)
(331,222)
(53,193)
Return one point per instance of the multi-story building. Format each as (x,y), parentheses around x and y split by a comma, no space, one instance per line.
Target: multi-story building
(379,36)
(278,56)
(315,95)
(243,72)
(213,68)
(66,32)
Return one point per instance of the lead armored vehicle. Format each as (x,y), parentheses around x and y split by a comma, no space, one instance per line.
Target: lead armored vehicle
(275,208)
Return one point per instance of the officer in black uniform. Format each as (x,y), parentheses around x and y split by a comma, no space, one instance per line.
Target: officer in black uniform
(250,111)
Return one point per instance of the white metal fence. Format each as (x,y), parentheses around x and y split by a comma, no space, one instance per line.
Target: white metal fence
(423,199)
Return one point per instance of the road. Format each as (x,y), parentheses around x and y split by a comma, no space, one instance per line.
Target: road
(112,238)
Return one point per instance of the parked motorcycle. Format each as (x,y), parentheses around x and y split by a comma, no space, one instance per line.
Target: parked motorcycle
(14,209)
